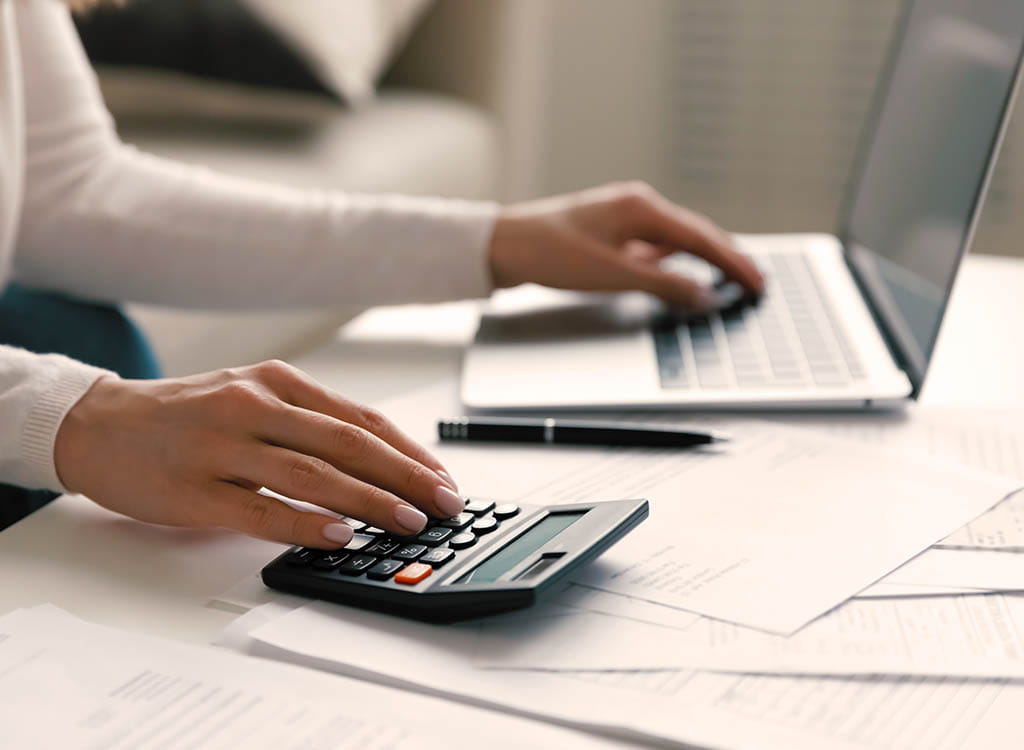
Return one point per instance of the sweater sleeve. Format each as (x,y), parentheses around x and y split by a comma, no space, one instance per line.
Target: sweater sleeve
(105,222)
(36,391)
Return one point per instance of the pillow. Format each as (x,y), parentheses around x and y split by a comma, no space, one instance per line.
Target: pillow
(330,46)
(213,40)
(348,43)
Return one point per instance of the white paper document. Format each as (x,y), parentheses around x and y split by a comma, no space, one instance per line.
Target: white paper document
(65,683)
(438,660)
(706,709)
(963,568)
(985,439)
(885,590)
(942,636)
(769,532)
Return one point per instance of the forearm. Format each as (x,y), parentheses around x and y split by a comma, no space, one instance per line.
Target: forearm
(102,221)
(135,227)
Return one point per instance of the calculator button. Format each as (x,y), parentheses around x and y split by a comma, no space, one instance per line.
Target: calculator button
(301,556)
(356,525)
(410,552)
(330,561)
(374,531)
(479,507)
(458,522)
(383,547)
(357,565)
(434,537)
(485,525)
(438,557)
(383,570)
(359,542)
(463,540)
(506,510)
(414,574)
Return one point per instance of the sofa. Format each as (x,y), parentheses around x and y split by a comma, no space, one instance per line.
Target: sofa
(432,129)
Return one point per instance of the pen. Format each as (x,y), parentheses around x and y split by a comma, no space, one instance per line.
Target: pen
(571,432)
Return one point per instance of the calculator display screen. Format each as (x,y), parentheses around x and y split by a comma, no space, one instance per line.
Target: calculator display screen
(509,556)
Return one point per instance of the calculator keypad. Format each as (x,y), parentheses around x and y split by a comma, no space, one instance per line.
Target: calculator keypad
(407,560)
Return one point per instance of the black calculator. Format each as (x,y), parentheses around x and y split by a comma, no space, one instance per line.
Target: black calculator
(492,557)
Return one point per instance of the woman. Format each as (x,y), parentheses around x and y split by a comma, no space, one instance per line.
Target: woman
(83,215)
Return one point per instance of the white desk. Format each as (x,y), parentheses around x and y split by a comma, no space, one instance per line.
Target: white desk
(111,570)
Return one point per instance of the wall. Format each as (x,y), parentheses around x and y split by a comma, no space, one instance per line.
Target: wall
(750,111)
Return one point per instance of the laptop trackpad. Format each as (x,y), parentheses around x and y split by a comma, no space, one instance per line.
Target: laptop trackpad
(543,316)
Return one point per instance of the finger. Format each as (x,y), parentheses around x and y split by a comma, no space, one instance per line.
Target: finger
(645,252)
(360,454)
(608,269)
(316,481)
(298,389)
(665,223)
(264,517)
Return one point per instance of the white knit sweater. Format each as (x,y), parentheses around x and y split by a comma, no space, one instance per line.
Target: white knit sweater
(83,214)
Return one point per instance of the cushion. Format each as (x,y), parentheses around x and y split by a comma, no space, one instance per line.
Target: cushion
(339,47)
(348,43)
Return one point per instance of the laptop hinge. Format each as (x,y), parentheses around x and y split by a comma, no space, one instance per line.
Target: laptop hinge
(891,342)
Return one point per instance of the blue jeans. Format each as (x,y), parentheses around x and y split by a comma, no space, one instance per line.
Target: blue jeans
(48,323)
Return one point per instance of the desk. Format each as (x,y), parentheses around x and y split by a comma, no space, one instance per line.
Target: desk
(114,571)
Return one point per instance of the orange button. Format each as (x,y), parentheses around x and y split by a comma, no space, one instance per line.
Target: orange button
(414,574)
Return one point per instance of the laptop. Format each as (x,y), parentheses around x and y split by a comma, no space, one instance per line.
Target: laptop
(847,321)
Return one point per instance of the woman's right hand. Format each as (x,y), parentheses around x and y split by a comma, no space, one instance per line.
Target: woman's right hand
(194,451)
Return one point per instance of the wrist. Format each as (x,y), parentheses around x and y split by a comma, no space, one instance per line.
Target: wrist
(508,240)
(71,443)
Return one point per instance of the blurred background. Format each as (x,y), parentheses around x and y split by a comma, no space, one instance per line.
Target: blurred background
(746,110)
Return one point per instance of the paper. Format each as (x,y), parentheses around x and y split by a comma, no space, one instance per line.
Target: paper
(985,439)
(963,568)
(899,590)
(770,532)
(1002,528)
(437,660)
(781,531)
(942,636)
(883,712)
(64,683)
(706,709)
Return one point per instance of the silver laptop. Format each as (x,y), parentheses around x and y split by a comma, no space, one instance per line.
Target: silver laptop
(848,321)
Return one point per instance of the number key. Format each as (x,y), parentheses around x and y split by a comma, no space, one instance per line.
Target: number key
(458,522)
(434,537)
(506,510)
(485,525)
(478,507)
(463,540)
(438,557)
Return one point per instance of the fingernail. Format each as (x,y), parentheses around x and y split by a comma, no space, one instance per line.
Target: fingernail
(409,518)
(338,533)
(448,502)
(448,478)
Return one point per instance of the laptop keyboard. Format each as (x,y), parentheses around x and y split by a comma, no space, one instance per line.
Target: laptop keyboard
(792,339)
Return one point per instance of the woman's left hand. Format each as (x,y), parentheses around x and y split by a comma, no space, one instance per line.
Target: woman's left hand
(613,238)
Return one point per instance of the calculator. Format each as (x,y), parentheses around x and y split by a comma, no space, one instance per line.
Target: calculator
(492,557)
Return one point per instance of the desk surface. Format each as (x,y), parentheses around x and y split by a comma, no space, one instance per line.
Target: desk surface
(114,571)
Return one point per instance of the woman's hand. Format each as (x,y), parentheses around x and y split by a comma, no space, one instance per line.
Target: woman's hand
(612,239)
(193,451)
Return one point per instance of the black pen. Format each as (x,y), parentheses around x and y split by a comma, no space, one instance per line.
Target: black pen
(571,432)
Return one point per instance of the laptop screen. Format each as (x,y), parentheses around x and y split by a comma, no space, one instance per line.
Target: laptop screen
(938,126)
